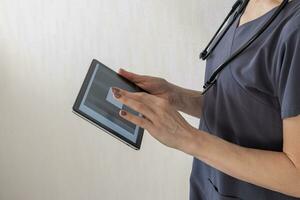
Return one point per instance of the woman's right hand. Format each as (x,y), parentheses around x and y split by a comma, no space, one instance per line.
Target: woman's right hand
(153,85)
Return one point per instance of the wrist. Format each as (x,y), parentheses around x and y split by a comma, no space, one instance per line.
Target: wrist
(185,100)
(194,143)
(176,96)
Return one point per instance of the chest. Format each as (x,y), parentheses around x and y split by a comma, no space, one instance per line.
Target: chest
(255,70)
(242,107)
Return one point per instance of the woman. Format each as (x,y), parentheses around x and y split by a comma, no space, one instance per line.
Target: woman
(248,142)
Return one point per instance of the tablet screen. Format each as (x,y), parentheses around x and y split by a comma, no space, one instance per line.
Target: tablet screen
(96,102)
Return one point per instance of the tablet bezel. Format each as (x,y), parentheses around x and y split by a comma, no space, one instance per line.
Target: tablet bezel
(108,130)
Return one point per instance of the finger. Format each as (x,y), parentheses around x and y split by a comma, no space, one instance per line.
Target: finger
(136,104)
(136,78)
(154,103)
(139,121)
(142,97)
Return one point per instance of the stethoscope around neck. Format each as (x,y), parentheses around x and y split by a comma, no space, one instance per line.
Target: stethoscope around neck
(237,9)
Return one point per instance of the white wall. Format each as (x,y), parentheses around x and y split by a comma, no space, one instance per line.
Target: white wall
(48,153)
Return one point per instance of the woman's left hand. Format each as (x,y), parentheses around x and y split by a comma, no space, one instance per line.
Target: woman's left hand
(160,119)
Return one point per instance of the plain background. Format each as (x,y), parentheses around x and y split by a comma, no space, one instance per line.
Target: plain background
(47,152)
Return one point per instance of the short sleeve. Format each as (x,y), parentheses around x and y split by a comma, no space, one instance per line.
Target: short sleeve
(288,77)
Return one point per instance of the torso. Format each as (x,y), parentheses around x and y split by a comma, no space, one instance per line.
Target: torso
(242,107)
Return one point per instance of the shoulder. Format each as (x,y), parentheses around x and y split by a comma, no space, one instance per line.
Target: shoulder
(291,23)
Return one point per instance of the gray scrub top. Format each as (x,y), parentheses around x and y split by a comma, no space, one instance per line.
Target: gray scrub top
(250,100)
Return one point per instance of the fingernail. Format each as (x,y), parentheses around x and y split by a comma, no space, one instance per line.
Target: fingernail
(123,113)
(117,95)
(115,90)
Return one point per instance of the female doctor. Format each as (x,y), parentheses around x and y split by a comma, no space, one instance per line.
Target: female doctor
(248,142)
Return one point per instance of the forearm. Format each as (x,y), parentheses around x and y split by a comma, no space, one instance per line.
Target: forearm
(271,170)
(186,100)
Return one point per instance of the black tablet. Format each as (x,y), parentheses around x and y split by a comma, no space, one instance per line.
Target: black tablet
(96,104)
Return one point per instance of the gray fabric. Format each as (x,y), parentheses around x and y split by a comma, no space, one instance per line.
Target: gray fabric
(250,99)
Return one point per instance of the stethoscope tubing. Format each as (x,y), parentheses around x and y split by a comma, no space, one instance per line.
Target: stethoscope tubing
(213,78)
(209,49)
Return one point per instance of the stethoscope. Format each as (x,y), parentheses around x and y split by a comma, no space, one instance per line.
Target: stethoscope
(237,9)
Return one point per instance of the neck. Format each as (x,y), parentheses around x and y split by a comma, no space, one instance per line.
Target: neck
(256,8)
(265,2)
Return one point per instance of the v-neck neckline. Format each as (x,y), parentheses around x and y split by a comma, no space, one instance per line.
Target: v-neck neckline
(249,26)
(251,22)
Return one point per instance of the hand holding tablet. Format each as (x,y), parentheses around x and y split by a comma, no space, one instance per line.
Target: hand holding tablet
(96,104)
(100,105)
